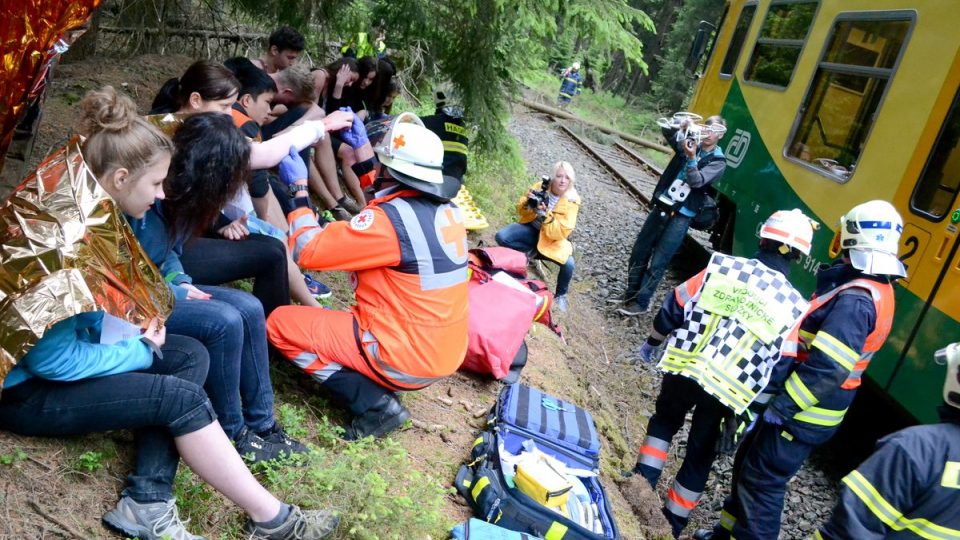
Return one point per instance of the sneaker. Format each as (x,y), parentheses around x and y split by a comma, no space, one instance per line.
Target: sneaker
(349,205)
(560,302)
(703,534)
(387,415)
(317,289)
(632,309)
(341,214)
(299,525)
(277,435)
(255,449)
(148,521)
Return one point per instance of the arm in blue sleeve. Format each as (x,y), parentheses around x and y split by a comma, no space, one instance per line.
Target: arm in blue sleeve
(64,355)
(833,352)
(172,268)
(890,473)
(668,319)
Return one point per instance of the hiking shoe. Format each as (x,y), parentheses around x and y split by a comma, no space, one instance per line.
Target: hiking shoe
(148,521)
(341,214)
(632,309)
(277,435)
(254,448)
(317,289)
(387,415)
(349,205)
(560,302)
(299,525)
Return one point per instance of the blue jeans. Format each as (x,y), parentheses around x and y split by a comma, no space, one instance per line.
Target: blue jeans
(160,403)
(232,327)
(658,241)
(523,237)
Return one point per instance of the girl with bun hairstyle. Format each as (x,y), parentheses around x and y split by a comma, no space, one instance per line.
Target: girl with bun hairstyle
(70,384)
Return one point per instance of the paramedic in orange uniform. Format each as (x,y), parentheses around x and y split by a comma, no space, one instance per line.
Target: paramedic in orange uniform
(407,251)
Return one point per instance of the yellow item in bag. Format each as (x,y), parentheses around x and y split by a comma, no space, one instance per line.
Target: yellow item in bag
(542,483)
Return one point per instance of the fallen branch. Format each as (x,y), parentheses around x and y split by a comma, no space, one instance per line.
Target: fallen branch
(63,526)
(626,136)
(187,32)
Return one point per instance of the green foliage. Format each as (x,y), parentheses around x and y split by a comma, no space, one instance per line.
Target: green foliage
(9,459)
(89,461)
(373,485)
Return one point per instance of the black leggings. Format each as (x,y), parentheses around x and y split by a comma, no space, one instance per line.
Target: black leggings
(215,261)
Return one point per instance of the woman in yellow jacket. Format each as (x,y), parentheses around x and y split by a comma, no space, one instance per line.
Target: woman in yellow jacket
(545,225)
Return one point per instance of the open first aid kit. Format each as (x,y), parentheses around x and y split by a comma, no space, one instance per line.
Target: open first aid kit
(536,469)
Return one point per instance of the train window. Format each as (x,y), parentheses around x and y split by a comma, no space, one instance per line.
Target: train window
(848,86)
(781,39)
(938,185)
(737,40)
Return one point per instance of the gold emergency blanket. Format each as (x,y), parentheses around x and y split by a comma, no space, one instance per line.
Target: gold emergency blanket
(65,248)
(32,34)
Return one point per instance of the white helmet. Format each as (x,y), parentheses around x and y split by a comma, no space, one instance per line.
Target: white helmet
(576,65)
(871,234)
(791,228)
(414,156)
(950,357)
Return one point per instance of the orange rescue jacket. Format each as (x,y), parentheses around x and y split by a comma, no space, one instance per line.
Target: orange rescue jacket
(409,258)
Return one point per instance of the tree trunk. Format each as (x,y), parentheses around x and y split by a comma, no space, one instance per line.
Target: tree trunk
(653,46)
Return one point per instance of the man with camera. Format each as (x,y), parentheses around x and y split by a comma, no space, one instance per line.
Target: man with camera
(547,216)
(678,197)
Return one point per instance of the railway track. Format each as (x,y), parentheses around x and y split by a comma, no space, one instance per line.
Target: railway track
(635,174)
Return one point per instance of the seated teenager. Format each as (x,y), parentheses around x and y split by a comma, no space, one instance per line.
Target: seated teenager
(70,384)
(208,167)
(283,48)
(408,254)
(296,93)
(211,87)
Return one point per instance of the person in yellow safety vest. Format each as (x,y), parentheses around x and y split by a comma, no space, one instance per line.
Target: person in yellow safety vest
(910,486)
(407,251)
(359,46)
(849,319)
(726,328)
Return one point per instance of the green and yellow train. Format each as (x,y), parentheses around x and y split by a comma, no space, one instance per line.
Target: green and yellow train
(835,102)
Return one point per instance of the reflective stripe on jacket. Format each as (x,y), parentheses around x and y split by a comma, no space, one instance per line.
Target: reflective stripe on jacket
(909,488)
(844,326)
(409,258)
(571,84)
(740,317)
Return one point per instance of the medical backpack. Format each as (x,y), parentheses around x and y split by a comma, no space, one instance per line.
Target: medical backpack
(557,428)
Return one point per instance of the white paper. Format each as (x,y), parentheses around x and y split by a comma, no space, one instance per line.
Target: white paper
(116,329)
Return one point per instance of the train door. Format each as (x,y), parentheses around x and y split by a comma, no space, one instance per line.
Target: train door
(731,38)
(928,310)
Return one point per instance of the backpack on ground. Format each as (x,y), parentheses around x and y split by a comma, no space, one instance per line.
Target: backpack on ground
(474,529)
(536,470)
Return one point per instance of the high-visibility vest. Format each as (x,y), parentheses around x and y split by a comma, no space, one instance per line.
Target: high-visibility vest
(740,317)
(883,302)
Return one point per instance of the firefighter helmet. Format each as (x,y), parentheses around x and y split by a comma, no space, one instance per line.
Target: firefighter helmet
(414,156)
(950,357)
(870,232)
(791,228)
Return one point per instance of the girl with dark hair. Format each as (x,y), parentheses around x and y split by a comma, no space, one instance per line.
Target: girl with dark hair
(205,87)
(333,79)
(209,166)
(382,88)
(71,384)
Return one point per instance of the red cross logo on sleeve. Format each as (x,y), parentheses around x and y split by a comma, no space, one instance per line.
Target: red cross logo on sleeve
(454,233)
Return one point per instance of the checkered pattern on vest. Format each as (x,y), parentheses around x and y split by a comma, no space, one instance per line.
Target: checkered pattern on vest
(727,359)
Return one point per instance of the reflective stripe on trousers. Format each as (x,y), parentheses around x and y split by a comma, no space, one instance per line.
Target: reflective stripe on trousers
(371,348)
(653,452)
(680,500)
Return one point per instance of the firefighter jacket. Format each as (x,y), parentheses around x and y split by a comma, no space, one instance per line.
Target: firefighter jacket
(739,317)
(453,132)
(557,225)
(848,321)
(909,488)
(408,255)
(571,84)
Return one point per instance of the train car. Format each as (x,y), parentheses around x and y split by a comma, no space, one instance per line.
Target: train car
(835,102)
